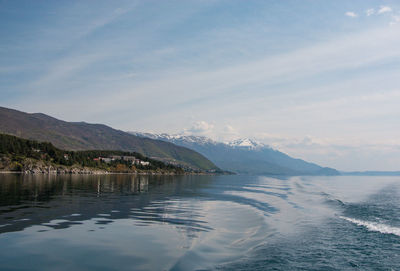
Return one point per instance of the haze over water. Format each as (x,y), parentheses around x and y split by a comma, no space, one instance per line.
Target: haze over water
(122,222)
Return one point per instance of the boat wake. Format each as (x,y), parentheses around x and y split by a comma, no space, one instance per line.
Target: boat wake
(373,226)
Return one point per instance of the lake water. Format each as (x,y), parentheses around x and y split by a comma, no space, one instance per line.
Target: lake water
(123,222)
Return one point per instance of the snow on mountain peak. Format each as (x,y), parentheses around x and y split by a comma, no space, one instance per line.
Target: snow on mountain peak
(177,137)
(246,143)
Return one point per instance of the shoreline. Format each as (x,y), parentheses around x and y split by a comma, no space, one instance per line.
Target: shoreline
(106,173)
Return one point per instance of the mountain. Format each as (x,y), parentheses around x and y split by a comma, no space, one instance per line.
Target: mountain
(245,156)
(30,156)
(86,136)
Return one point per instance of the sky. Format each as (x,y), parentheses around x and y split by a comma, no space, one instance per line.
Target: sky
(317,79)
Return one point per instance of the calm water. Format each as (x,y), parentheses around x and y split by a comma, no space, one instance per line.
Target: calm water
(123,222)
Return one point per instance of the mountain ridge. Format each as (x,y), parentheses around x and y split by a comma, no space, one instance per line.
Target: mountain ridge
(245,156)
(87,136)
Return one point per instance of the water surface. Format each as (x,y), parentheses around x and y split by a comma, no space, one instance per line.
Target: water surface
(124,222)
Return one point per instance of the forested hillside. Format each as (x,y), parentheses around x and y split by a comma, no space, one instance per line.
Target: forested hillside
(86,136)
(16,150)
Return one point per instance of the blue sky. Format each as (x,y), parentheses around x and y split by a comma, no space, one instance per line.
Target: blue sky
(316,79)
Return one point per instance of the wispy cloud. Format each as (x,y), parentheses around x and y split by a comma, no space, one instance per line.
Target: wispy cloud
(395,20)
(201,128)
(370,11)
(384,9)
(351,14)
(222,133)
(222,75)
(346,53)
(62,69)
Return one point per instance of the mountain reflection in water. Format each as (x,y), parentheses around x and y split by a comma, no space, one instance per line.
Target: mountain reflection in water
(126,222)
(27,200)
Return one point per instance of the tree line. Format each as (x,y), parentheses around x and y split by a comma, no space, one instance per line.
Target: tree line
(18,148)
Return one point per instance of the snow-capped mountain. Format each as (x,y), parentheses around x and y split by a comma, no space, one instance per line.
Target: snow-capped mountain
(246,156)
(178,137)
(247,143)
(237,143)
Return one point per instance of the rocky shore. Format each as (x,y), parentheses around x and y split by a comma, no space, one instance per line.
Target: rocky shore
(31,166)
(61,170)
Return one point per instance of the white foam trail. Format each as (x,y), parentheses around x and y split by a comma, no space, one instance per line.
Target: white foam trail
(373,226)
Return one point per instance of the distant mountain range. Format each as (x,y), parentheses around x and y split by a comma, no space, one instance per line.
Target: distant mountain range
(244,156)
(371,173)
(86,136)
